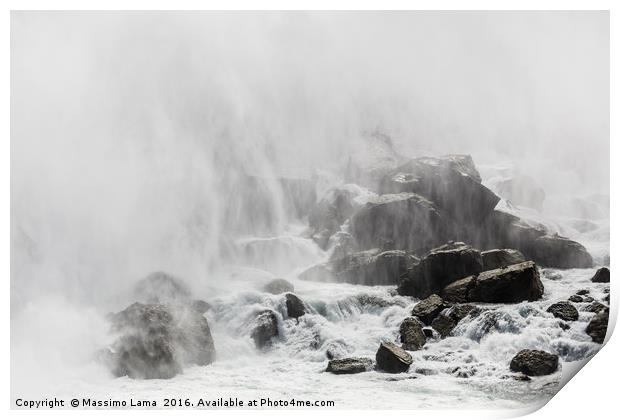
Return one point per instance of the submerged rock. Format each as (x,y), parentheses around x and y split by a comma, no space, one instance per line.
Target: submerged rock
(564,310)
(371,268)
(534,363)
(200,306)
(512,284)
(411,334)
(279,286)
(156,341)
(452,183)
(498,258)
(597,328)
(401,221)
(295,307)
(601,275)
(429,308)
(349,365)
(265,329)
(392,359)
(440,267)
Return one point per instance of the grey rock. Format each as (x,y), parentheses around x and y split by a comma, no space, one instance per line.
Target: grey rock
(349,365)
(411,334)
(601,275)
(429,308)
(265,329)
(392,359)
(597,328)
(534,363)
(498,258)
(295,307)
(279,286)
(564,311)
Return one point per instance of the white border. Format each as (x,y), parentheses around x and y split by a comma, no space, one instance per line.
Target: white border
(592,394)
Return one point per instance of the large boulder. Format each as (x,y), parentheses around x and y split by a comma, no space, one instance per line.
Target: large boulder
(427,309)
(161,287)
(522,190)
(440,267)
(498,258)
(155,341)
(265,328)
(404,221)
(295,307)
(349,365)
(595,307)
(444,323)
(564,311)
(534,362)
(331,212)
(452,184)
(597,328)
(512,284)
(278,286)
(372,267)
(411,334)
(392,359)
(601,275)
(504,230)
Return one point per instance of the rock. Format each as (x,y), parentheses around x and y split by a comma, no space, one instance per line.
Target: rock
(428,332)
(440,267)
(458,312)
(534,363)
(606,298)
(156,341)
(503,230)
(522,190)
(200,306)
(429,308)
(588,299)
(411,334)
(295,307)
(595,307)
(444,325)
(564,310)
(601,275)
(401,221)
(371,268)
(513,284)
(447,182)
(582,292)
(597,328)
(349,365)
(498,258)
(160,287)
(332,211)
(278,286)
(575,299)
(392,359)
(374,158)
(265,329)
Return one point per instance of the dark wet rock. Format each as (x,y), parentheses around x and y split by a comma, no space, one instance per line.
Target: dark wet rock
(426,371)
(349,365)
(452,184)
(534,363)
(161,287)
(458,312)
(576,299)
(521,378)
(392,359)
(401,221)
(563,325)
(279,286)
(564,311)
(331,212)
(601,275)
(504,230)
(498,258)
(597,328)
(444,325)
(463,371)
(156,341)
(429,308)
(606,298)
(411,334)
(428,332)
(522,190)
(372,267)
(295,307)
(595,307)
(200,306)
(582,292)
(587,299)
(440,267)
(512,284)
(265,328)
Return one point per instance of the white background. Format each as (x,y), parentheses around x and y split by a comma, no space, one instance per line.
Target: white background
(593,393)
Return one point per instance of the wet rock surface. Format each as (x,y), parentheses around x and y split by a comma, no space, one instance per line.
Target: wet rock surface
(295,307)
(427,309)
(411,334)
(265,329)
(601,275)
(597,328)
(161,287)
(349,365)
(498,258)
(564,311)
(392,359)
(534,363)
